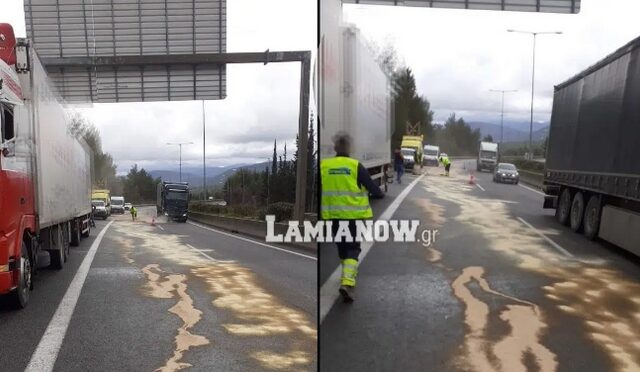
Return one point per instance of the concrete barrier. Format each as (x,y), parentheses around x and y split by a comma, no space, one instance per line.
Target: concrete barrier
(531,178)
(245,226)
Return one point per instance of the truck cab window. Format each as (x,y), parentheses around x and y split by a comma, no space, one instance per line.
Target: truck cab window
(7,124)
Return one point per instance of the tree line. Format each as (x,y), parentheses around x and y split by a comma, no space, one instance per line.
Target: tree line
(277,182)
(455,136)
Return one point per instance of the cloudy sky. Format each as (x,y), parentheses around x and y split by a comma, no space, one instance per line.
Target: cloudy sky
(261,103)
(458,55)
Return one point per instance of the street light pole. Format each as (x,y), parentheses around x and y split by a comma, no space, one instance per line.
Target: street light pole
(179,144)
(533,79)
(502,110)
(204,152)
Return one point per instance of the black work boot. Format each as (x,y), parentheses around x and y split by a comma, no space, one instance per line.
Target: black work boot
(347,293)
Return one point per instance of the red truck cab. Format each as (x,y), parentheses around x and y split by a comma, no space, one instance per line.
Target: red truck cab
(17,210)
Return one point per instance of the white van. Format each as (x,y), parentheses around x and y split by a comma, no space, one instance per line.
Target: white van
(430,155)
(117,204)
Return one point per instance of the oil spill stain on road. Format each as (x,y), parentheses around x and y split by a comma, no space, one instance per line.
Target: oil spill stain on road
(162,285)
(525,322)
(258,314)
(434,216)
(600,296)
(606,301)
(233,288)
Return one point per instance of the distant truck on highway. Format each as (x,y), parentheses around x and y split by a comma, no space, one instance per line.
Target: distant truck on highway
(45,172)
(430,155)
(487,156)
(592,170)
(353,93)
(105,196)
(173,200)
(117,204)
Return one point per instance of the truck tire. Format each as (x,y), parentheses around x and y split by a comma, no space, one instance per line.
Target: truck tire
(592,217)
(20,297)
(564,207)
(75,232)
(577,212)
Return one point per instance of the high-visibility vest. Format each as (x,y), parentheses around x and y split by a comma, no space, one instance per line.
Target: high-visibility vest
(341,197)
(445,160)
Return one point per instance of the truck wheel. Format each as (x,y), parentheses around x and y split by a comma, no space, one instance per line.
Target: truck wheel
(592,217)
(577,212)
(75,232)
(564,207)
(20,297)
(57,259)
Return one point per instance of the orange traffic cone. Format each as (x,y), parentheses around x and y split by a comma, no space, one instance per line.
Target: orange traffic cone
(472,179)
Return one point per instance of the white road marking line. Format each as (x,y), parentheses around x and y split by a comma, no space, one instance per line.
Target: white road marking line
(201,251)
(46,353)
(251,241)
(329,290)
(543,236)
(480,187)
(160,227)
(530,189)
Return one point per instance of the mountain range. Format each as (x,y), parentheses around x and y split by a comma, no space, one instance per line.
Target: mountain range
(215,175)
(513,131)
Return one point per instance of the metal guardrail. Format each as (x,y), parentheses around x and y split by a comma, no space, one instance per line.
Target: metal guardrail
(246,226)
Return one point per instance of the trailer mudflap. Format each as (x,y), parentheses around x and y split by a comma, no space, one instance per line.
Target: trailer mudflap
(550,202)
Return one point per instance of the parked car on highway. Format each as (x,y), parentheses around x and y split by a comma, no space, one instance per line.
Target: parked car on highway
(101,209)
(506,172)
(127,206)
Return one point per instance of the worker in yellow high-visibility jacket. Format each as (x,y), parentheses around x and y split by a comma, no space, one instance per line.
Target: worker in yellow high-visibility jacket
(346,185)
(447,164)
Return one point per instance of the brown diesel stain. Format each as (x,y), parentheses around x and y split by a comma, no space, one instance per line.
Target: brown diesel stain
(434,217)
(255,312)
(507,354)
(162,285)
(590,290)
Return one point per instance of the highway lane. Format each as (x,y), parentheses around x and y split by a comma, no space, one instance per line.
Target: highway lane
(174,295)
(490,294)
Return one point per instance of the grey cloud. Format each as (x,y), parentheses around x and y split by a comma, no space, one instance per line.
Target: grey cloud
(458,55)
(261,104)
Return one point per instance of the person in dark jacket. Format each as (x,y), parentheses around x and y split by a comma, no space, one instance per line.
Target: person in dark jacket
(398,164)
(92,222)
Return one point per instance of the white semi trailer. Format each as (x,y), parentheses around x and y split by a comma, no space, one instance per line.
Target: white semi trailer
(353,93)
(45,172)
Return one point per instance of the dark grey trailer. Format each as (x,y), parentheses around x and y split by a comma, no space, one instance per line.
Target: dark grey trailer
(592,175)
(173,200)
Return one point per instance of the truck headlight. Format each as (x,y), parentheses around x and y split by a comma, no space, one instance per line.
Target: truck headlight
(184,215)
(504,174)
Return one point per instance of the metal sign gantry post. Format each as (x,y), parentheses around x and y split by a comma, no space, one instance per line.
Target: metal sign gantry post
(304,57)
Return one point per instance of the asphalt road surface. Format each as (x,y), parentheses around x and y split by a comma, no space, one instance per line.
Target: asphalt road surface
(503,287)
(167,297)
